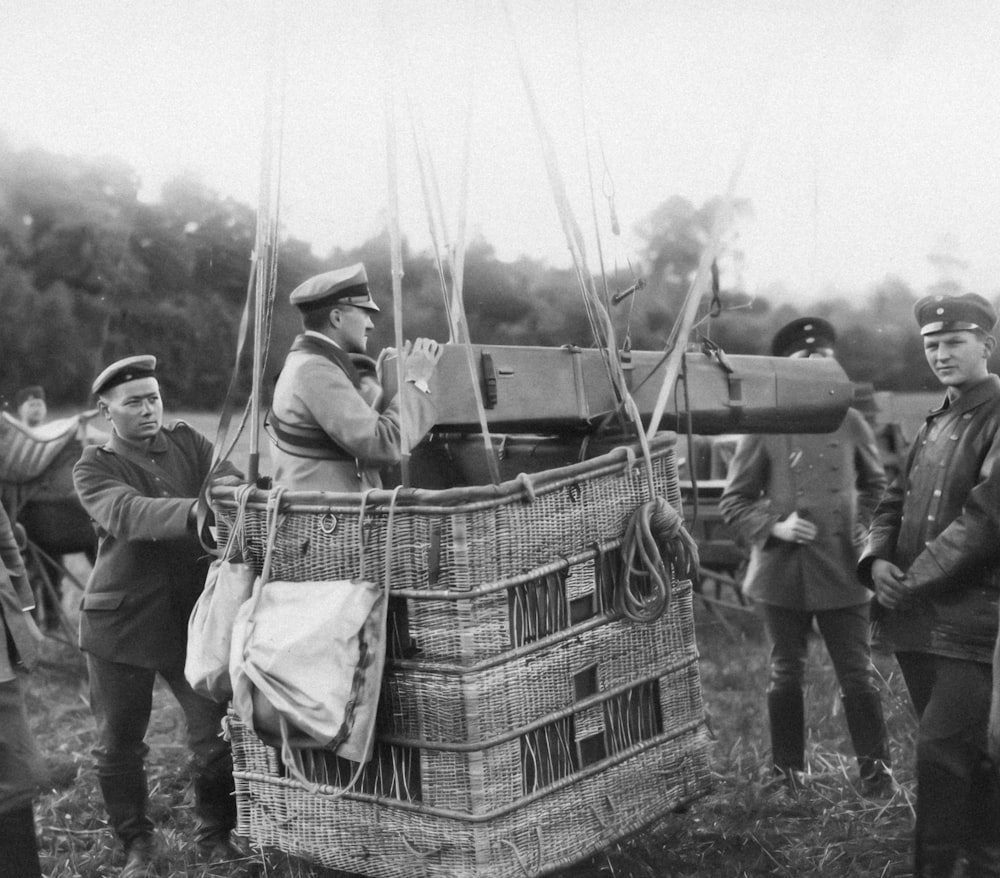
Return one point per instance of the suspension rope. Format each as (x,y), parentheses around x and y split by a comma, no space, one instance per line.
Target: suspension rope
(597,314)
(455,258)
(256,318)
(587,161)
(396,253)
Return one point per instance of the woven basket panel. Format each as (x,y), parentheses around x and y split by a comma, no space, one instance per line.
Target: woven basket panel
(499,540)
(432,706)
(478,781)
(552,832)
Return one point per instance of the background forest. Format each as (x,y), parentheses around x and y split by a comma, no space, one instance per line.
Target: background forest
(89,273)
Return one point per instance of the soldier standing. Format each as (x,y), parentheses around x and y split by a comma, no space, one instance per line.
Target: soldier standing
(803,502)
(933,557)
(141,489)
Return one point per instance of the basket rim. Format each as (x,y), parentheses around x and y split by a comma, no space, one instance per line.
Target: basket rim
(465,499)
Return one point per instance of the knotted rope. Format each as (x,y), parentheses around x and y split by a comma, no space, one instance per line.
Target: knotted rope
(655,547)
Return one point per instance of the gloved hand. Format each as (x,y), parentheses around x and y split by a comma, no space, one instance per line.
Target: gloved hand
(794,529)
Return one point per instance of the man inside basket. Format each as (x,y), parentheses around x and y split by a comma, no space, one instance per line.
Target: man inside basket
(141,489)
(330,428)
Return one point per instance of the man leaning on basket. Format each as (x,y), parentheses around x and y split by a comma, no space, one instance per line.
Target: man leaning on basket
(141,489)
(330,427)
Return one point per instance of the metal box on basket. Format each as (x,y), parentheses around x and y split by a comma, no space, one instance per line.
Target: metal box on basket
(524,724)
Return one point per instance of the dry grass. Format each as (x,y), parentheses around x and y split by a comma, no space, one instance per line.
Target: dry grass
(747,826)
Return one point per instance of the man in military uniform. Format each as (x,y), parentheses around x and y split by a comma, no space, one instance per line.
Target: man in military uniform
(330,428)
(141,489)
(19,761)
(803,502)
(933,557)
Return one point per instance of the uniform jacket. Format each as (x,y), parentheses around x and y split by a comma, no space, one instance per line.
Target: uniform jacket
(835,480)
(322,395)
(940,523)
(20,642)
(150,566)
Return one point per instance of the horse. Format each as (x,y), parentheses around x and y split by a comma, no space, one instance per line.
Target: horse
(36,489)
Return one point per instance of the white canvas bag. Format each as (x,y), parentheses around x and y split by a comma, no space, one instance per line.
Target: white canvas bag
(228,585)
(307,660)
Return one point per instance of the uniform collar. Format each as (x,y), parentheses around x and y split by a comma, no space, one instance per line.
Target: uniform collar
(985,390)
(118,445)
(312,333)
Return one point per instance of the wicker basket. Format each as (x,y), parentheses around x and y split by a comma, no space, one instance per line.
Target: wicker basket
(523,724)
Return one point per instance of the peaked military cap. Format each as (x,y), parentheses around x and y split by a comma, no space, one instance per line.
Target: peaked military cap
(127,369)
(950,313)
(35,391)
(804,334)
(348,286)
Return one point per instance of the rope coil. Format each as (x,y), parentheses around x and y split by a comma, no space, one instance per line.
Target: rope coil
(655,540)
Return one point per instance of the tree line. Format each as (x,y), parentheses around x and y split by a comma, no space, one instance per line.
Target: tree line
(89,273)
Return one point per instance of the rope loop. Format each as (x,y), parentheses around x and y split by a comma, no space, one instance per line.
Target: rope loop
(655,540)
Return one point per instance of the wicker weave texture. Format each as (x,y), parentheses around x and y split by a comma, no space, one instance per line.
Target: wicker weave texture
(433,707)
(492,537)
(549,833)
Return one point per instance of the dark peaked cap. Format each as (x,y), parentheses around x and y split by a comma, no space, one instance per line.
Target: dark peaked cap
(127,369)
(804,334)
(951,313)
(347,286)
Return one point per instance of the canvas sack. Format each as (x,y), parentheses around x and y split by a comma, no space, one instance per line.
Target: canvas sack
(228,585)
(307,660)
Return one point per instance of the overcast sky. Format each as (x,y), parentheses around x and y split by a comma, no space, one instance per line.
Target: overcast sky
(872,125)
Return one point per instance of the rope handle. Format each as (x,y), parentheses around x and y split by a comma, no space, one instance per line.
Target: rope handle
(272,522)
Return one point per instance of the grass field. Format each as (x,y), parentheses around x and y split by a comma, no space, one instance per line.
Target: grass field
(746,826)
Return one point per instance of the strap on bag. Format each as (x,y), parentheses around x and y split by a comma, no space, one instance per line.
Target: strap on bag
(237,533)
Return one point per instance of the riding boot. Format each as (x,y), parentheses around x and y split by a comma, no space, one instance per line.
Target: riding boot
(125,797)
(786,714)
(19,844)
(215,809)
(866,725)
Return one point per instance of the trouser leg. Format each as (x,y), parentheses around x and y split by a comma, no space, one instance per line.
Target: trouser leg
(866,725)
(958,801)
(846,634)
(125,797)
(121,699)
(215,802)
(786,715)
(20,772)
(788,632)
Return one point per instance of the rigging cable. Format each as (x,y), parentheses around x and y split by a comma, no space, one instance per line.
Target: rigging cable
(255,321)
(455,305)
(600,320)
(396,254)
